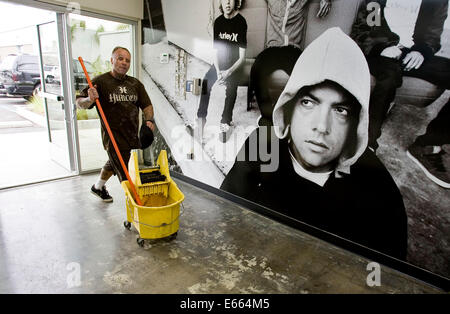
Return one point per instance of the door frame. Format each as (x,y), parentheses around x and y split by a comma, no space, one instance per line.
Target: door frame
(66,157)
(71,79)
(67,78)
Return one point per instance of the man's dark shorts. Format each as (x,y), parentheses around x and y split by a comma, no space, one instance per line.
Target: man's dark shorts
(113,164)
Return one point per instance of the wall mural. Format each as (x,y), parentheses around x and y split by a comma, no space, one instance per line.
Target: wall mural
(334,113)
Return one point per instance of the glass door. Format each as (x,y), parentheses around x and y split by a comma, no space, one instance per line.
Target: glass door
(94,39)
(55,93)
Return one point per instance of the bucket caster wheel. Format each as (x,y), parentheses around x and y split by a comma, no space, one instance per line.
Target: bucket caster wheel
(140,242)
(127,225)
(173,236)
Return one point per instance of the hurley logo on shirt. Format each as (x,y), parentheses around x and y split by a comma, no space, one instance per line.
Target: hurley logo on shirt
(230,37)
(122,95)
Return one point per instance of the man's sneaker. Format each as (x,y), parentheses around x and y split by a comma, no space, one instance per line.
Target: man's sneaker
(225,131)
(224,127)
(431,164)
(103,194)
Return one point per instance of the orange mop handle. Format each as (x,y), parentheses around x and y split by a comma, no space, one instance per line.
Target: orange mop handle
(133,189)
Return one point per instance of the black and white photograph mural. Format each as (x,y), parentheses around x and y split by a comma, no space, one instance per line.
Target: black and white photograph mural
(334,113)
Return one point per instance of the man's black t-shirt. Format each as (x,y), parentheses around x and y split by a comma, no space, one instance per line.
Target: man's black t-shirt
(120,100)
(229,35)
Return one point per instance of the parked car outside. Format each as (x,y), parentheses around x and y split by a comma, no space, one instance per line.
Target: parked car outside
(80,82)
(2,89)
(19,74)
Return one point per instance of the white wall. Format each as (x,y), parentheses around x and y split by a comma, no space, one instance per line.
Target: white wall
(83,44)
(188,26)
(109,40)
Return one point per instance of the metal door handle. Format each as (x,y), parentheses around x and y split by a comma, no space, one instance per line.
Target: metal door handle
(51,96)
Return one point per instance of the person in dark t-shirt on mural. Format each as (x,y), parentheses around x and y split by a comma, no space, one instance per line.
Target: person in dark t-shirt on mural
(121,97)
(230,43)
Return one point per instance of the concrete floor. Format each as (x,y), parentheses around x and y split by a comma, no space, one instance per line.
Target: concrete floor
(56,237)
(26,157)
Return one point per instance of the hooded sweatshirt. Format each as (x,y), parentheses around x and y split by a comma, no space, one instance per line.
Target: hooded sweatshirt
(336,57)
(360,201)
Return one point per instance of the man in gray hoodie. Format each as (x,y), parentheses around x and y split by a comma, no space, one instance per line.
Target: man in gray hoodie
(326,176)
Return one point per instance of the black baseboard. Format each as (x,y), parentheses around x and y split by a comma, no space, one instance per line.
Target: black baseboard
(401,266)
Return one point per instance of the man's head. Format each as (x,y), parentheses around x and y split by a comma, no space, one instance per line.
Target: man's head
(227,7)
(121,61)
(323,120)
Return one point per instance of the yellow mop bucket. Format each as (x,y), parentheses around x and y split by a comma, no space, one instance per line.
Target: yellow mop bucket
(159,215)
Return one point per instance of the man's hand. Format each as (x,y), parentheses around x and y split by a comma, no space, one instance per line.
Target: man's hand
(324,8)
(150,125)
(392,52)
(413,60)
(86,102)
(222,76)
(219,77)
(92,93)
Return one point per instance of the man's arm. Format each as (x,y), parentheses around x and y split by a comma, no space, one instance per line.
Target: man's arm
(86,102)
(147,107)
(226,73)
(216,64)
(149,118)
(429,27)
(216,51)
(427,33)
(371,31)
